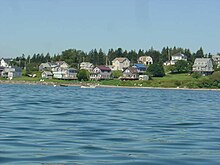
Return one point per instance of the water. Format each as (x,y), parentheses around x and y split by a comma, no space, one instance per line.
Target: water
(70,125)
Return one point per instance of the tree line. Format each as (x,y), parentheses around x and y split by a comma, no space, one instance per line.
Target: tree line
(74,57)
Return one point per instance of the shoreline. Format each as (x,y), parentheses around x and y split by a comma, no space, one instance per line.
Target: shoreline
(101,86)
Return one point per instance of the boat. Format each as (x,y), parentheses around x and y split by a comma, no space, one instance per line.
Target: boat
(88,86)
(63,85)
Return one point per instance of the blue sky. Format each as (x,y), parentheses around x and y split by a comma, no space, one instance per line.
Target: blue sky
(41,26)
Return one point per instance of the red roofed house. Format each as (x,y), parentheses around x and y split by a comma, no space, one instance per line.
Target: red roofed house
(101,72)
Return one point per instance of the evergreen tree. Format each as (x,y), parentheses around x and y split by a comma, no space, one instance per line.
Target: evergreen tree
(199,53)
(156,70)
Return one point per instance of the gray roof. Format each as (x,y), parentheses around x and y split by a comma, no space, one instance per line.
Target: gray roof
(202,60)
(132,70)
(48,73)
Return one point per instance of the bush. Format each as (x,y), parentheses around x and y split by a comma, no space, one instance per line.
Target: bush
(215,76)
(116,73)
(156,70)
(180,66)
(196,75)
(83,75)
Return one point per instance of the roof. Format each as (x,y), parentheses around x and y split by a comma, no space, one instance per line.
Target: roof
(147,57)
(132,70)
(202,60)
(48,73)
(142,66)
(104,68)
(7,60)
(47,64)
(120,59)
(72,69)
(178,54)
(61,62)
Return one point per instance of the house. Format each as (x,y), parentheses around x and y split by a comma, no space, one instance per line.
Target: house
(141,68)
(87,66)
(47,75)
(11,72)
(100,72)
(216,60)
(53,66)
(147,60)
(70,74)
(203,66)
(130,73)
(5,62)
(67,74)
(62,64)
(120,63)
(175,58)
(45,66)
(58,74)
(1,70)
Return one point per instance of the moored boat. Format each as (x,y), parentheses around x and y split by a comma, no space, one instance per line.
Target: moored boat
(88,86)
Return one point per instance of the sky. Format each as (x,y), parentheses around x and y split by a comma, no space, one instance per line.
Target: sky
(41,26)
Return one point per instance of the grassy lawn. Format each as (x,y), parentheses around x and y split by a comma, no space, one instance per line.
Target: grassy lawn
(183,76)
(170,80)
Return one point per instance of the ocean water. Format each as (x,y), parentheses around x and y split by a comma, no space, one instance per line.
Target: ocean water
(70,125)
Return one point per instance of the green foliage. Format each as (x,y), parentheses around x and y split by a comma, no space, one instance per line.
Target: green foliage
(116,73)
(31,67)
(196,75)
(156,70)
(180,66)
(215,77)
(199,53)
(83,75)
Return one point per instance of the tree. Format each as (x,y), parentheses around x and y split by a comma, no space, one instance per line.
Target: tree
(116,73)
(83,75)
(199,53)
(156,70)
(31,67)
(180,66)
(165,54)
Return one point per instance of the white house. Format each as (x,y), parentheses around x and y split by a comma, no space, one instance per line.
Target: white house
(62,64)
(11,72)
(87,66)
(58,74)
(120,63)
(147,60)
(45,66)
(68,74)
(5,62)
(203,65)
(175,58)
(47,75)
(216,59)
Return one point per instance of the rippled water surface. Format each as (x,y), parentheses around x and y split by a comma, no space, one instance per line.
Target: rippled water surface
(70,125)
